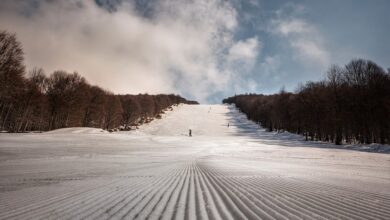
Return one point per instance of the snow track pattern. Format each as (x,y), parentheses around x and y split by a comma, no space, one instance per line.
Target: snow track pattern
(201,189)
(158,172)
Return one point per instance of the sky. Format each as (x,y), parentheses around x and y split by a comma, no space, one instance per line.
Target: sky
(204,50)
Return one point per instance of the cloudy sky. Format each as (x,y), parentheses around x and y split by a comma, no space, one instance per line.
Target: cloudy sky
(202,49)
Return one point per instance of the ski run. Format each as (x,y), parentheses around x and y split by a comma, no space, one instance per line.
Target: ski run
(229,169)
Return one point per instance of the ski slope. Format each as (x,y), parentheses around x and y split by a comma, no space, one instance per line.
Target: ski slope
(159,172)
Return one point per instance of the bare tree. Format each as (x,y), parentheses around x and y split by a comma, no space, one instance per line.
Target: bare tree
(12,71)
(38,102)
(351,105)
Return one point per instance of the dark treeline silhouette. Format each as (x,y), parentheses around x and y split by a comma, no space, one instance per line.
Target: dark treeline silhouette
(352,105)
(36,102)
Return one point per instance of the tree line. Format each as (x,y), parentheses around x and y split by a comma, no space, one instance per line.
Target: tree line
(352,105)
(34,101)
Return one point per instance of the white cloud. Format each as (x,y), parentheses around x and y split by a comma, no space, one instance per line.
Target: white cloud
(295,26)
(302,36)
(242,56)
(310,50)
(185,47)
(244,50)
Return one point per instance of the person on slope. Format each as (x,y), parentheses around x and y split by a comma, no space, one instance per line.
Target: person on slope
(190,133)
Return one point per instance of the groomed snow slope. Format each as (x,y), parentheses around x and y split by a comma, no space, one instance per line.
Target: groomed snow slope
(158,172)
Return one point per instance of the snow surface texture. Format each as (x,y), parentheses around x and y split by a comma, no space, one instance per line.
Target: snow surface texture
(158,172)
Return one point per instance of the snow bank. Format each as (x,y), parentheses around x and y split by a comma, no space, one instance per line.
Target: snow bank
(77,130)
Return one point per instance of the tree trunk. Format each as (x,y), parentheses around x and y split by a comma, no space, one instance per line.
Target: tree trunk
(23,118)
(6,117)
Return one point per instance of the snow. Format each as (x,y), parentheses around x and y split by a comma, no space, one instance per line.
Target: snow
(78,130)
(221,172)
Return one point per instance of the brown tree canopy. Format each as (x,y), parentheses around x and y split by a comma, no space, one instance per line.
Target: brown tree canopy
(352,106)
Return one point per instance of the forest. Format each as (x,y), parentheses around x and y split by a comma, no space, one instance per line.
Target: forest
(35,101)
(351,105)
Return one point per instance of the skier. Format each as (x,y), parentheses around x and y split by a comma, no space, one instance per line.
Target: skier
(228,125)
(190,133)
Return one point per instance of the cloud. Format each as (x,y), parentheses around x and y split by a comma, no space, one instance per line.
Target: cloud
(244,49)
(243,53)
(301,36)
(185,47)
(295,26)
(271,66)
(311,50)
